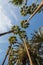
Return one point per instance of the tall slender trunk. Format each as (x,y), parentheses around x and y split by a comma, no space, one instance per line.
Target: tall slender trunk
(6,33)
(28,53)
(6,55)
(25,2)
(38,8)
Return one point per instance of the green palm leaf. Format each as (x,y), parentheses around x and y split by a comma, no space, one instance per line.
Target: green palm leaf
(15,29)
(12,40)
(17,2)
(24,24)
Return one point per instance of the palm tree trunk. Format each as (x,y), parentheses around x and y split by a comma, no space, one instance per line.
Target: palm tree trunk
(38,8)
(6,55)
(6,33)
(28,53)
(25,2)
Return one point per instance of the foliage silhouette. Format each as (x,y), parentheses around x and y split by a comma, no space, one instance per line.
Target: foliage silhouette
(27,52)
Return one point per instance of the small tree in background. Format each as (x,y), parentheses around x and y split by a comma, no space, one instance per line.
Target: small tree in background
(26,52)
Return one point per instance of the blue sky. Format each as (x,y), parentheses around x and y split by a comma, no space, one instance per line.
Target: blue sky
(10,15)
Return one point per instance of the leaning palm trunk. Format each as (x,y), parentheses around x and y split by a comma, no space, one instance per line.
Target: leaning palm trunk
(28,53)
(38,8)
(6,54)
(6,33)
(25,2)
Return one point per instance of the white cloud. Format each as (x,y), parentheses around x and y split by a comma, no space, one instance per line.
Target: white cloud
(4,2)
(5,22)
(14,15)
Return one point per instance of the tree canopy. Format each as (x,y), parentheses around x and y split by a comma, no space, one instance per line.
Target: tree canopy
(28,51)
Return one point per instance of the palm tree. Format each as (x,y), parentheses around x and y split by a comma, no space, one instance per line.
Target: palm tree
(38,8)
(20,56)
(23,36)
(17,2)
(37,37)
(12,40)
(24,10)
(32,50)
(25,52)
(13,30)
(32,9)
(37,40)
(6,33)
(24,24)
(28,9)
(6,54)
(28,53)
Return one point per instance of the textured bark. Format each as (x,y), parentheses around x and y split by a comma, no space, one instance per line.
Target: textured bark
(38,8)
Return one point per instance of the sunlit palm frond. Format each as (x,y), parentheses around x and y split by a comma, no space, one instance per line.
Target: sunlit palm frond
(15,29)
(37,38)
(17,2)
(24,24)
(12,39)
(19,55)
